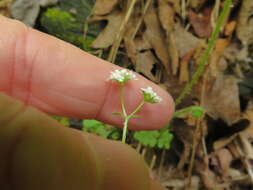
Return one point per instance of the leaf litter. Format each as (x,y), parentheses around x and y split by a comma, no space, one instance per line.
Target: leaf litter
(168,38)
(164,40)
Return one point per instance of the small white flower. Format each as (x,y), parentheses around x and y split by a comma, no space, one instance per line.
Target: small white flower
(150,96)
(122,76)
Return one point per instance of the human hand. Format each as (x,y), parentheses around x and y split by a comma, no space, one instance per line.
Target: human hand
(57,78)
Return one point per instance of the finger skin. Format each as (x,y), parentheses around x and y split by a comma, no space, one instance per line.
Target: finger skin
(61,79)
(38,153)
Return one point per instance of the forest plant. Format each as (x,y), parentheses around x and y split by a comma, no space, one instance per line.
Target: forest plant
(121,77)
(100,129)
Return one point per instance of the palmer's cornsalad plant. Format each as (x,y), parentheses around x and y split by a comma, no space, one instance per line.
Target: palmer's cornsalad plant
(154,139)
(121,77)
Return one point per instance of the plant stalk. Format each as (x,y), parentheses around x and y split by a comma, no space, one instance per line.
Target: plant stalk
(207,53)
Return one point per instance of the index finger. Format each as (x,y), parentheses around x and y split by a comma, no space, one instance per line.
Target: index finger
(61,79)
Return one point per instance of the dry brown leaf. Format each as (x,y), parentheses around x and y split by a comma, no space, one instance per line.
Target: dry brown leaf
(196,3)
(221,45)
(185,41)
(166,15)
(103,7)
(209,178)
(155,36)
(184,71)
(249,115)
(222,99)
(201,23)
(223,142)
(176,5)
(178,184)
(174,53)
(225,158)
(108,35)
(244,28)
(144,64)
(230,28)
(5,7)
(138,50)
(142,44)
(246,145)
(129,42)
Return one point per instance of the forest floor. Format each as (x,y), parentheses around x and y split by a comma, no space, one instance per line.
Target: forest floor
(165,40)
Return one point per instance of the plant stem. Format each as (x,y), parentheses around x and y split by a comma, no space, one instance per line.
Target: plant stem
(127,117)
(125,130)
(122,101)
(137,108)
(207,53)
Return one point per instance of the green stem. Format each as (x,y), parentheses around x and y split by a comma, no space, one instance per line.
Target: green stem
(122,101)
(208,51)
(125,130)
(126,119)
(182,111)
(137,108)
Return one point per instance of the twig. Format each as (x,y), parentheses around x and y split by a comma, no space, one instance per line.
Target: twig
(183,9)
(194,147)
(116,44)
(152,163)
(146,6)
(161,162)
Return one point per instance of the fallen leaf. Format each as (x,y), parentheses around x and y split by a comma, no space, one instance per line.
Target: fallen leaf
(244,28)
(246,145)
(201,23)
(219,144)
(106,38)
(177,184)
(220,46)
(196,3)
(166,15)
(184,71)
(209,178)
(103,7)
(225,158)
(185,41)
(249,115)
(230,28)
(221,100)
(5,7)
(145,63)
(26,11)
(155,36)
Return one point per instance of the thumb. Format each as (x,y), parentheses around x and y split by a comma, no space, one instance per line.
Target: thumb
(38,153)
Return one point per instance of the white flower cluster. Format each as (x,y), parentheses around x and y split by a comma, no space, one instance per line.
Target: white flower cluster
(150,96)
(122,76)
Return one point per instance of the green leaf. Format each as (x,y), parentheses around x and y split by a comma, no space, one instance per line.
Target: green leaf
(147,138)
(63,120)
(100,129)
(115,135)
(164,140)
(197,112)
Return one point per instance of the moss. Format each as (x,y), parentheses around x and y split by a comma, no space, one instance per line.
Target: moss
(63,25)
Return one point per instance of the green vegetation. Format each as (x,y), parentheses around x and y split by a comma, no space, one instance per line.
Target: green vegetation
(62,120)
(154,139)
(64,26)
(101,129)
